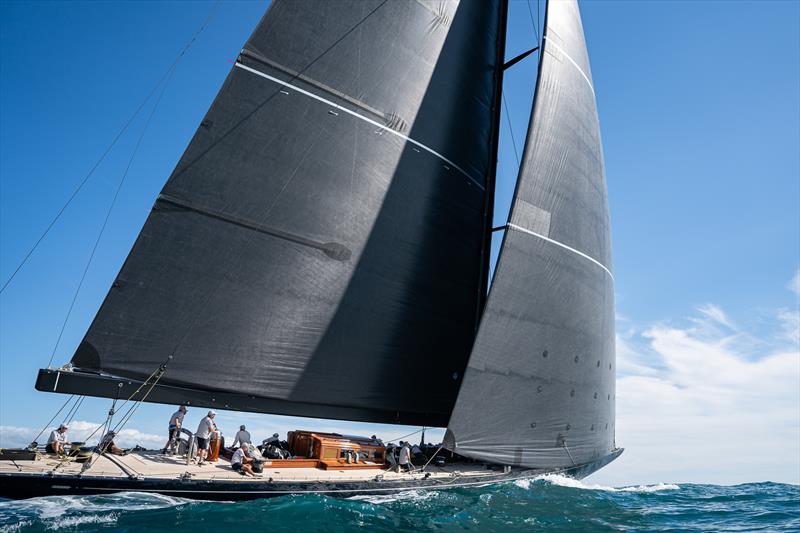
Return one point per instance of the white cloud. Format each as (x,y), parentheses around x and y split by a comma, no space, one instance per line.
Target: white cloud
(708,405)
(79,431)
(789,323)
(794,283)
(716,315)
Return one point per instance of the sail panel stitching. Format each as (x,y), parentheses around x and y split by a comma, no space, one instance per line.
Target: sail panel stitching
(562,245)
(362,117)
(585,77)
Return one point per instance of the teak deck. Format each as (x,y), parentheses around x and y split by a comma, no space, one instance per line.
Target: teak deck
(153,472)
(155,465)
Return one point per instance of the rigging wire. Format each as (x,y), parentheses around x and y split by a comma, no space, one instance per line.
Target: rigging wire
(166,79)
(54,417)
(108,149)
(159,372)
(530,12)
(432,457)
(144,384)
(74,411)
(105,222)
(510,129)
(405,436)
(539,18)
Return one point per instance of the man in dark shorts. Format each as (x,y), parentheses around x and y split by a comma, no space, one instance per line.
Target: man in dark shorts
(175,424)
(203,435)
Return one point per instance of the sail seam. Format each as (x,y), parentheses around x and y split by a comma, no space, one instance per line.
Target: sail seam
(585,77)
(562,245)
(318,84)
(365,119)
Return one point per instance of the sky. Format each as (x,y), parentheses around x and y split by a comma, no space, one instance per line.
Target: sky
(699,105)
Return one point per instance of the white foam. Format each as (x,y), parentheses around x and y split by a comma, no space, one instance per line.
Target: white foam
(408,496)
(15,527)
(74,521)
(565,481)
(53,507)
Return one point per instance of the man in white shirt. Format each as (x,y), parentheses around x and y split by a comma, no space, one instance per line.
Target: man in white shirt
(57,440)
(175,424)
(405,457)
(242,437)
(203,434)
(240,462)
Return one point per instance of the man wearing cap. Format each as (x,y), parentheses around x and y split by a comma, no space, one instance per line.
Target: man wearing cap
(203,434)
(242,437)
(57,440)
(175,424)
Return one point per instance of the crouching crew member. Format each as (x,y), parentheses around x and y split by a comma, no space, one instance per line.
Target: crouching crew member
(240,462)
(107,444)
(57,440)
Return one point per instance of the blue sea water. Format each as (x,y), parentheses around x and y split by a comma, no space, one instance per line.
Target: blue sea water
(552,503)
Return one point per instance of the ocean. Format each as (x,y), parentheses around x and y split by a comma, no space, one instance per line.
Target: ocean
(550,503)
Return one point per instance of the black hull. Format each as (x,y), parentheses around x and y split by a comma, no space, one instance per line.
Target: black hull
(21,486)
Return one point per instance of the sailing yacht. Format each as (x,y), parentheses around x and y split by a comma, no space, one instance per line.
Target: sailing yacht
(329,227)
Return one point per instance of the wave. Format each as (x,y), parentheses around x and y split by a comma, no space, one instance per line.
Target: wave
(565,481)
(48,507)
(78,512)
(406,496)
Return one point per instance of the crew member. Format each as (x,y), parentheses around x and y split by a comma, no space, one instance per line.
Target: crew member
(405,457)
(175,424)
(242,437)
(240,462)
(108,445)
(57,440)
(203,434)
(274,440)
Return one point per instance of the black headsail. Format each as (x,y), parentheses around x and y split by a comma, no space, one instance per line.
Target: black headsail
(539,387)
(318,249)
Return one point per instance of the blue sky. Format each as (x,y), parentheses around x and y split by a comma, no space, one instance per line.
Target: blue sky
(700,117)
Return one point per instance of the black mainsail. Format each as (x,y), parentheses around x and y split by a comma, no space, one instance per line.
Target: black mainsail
(319,249)
(539,387)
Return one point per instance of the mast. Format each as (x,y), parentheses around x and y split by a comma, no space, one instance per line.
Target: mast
(491,179)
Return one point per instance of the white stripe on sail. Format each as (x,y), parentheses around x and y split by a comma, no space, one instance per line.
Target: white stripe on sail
(362,117)
(552,42)
(561,244)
